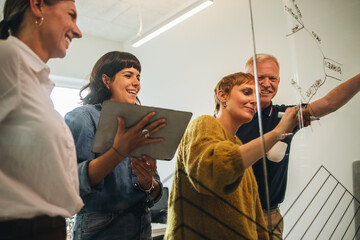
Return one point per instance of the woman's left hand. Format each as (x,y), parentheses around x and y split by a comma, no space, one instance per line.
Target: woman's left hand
(145,169)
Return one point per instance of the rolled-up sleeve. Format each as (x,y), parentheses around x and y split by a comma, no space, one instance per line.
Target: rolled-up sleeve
(83,130)
(150,201)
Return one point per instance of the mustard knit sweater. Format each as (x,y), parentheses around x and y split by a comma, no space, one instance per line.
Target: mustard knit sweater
(212,196)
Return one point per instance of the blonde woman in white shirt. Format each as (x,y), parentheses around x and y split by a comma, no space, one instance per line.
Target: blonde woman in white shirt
(38,173)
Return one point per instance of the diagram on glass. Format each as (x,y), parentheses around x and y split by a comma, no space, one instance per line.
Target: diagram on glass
(313,67)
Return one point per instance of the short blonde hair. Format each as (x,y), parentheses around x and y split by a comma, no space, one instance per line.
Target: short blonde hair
(260,57)
(228,82)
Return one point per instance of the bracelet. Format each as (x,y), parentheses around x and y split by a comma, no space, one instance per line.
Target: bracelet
(284,135)
(117,151)
(152,186)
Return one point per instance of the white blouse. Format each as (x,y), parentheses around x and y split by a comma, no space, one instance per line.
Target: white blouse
(38,167)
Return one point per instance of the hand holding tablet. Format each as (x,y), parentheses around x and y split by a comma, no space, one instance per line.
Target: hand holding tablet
(176,123)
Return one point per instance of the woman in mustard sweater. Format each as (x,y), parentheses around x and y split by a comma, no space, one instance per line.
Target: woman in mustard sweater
(214,193)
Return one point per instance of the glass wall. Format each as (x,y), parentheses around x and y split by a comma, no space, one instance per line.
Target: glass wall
(317,46)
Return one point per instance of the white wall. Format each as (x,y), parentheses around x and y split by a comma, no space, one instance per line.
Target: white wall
(81,56)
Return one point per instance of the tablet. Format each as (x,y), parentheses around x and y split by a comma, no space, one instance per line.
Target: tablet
(176,123)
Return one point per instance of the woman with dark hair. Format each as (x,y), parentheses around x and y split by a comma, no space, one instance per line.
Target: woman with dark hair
(38,180)
(109,64)
(117,190)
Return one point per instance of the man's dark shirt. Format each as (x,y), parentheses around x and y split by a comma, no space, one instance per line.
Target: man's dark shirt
(276,171)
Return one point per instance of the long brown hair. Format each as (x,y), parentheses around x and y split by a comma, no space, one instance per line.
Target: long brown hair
(110,64)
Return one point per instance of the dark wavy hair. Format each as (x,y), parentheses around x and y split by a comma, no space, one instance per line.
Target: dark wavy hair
(13,13)
(110,64)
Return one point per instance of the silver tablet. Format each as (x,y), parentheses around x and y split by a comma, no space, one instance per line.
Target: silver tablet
(176,123)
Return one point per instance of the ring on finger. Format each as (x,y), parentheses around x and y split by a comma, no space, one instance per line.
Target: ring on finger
(145,132)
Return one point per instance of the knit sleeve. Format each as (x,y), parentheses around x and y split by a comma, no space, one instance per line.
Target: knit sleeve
(211,157)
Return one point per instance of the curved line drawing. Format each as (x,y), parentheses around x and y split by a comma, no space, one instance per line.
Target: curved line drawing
(332,68)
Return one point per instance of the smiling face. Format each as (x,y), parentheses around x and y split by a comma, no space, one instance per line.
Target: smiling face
(241,102)
(125,85)
(58,28)
(268,75)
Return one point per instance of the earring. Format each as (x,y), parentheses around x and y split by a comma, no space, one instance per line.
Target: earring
(225,105)
(39,22)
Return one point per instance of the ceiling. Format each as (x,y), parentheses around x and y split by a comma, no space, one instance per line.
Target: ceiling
(118,20)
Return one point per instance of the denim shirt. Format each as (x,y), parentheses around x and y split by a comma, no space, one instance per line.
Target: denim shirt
(118,200)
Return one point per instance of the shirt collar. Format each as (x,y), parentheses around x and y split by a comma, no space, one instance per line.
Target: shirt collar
(31,58)
(34,62)
(268,111)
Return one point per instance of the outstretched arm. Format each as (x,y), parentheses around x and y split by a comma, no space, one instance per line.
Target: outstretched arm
(336,98)
(251,151)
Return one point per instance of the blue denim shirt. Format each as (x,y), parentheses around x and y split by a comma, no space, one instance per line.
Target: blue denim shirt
(117,206)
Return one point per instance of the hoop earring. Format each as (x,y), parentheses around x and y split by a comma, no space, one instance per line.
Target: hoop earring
(39,22)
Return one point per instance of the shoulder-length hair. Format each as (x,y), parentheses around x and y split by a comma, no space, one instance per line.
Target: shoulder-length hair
(110,64)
